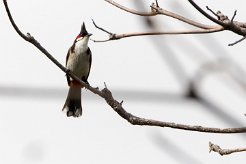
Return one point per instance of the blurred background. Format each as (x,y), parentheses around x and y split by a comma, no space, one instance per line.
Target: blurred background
(188,79)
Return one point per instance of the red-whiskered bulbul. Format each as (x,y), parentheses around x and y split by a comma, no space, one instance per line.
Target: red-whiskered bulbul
(78,61)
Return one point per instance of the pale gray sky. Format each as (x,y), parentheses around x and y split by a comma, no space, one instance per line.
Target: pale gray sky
(33,90)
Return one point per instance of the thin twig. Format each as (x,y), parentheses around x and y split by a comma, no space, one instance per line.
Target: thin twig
(234,15)
(156,3)
(236,42)
(100,28)
(212,11)
(115,105)
(206,14)
(218,149)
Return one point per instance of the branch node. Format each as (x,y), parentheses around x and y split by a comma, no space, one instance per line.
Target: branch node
(113,37)
(222,17)
(218,149)
(215,148)
(154,8)
(29,36)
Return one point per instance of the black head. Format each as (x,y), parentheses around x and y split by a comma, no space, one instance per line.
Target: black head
(83,31)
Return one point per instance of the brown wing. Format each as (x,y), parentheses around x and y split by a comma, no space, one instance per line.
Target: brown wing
(90,59)
(69,51)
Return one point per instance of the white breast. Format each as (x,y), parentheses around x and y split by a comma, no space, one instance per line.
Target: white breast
(79,60)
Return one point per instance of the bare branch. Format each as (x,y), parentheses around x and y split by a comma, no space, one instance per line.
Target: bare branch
(151,13)
(108,97)
(180,18)
(113,36)
(223,20)
(216,148)
(149,122)
(156,10)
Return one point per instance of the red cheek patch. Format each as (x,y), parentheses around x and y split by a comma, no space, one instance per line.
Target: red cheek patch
(78,37)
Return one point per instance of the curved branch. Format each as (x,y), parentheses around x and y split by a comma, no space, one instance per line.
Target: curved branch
(134,120)
(115,105)
(156,10)
(180,18)
(223,21)
(113,36)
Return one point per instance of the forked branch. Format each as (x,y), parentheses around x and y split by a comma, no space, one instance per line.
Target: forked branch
(222,21)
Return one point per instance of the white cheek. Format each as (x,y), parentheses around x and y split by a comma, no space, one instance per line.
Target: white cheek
(81,46)
(79,39)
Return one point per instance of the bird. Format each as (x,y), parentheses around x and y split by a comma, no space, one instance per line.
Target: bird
(78,62)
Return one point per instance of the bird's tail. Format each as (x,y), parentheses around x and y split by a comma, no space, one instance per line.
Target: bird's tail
(72,106)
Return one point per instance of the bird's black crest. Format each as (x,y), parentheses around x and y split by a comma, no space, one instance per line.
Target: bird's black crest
(83,31)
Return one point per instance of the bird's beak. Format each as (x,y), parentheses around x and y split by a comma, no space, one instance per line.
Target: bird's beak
(89,35)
